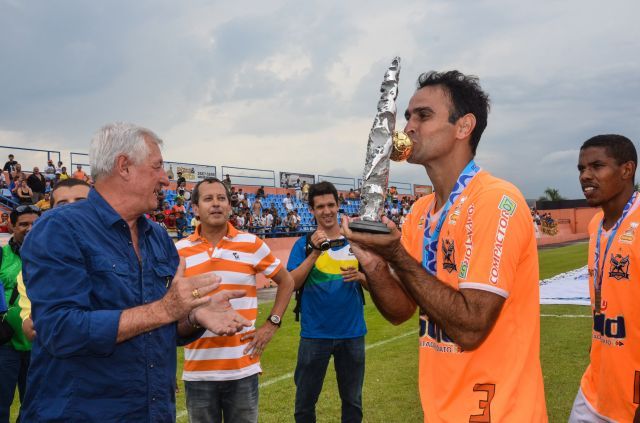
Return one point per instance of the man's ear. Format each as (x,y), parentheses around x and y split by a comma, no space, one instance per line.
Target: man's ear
(122,166)
(465,126)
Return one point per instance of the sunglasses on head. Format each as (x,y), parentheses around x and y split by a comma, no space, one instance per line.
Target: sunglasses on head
(27,208)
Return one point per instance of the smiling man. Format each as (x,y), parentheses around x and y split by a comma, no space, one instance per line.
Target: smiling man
(467,258)
(109,307)
(326,274)
(221,372)
(610,387)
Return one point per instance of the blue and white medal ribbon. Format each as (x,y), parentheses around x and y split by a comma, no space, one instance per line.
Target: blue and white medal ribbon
(598,269)
(430,242)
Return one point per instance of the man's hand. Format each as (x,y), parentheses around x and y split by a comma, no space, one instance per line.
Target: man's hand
(259,339)
(186,294)
(27,328)
(384,245)
(351,274)
(318,238)
(218,316)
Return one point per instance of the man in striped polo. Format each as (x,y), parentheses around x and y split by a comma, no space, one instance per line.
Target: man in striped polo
(221,372)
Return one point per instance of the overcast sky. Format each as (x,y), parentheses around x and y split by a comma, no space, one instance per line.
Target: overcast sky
(293,85)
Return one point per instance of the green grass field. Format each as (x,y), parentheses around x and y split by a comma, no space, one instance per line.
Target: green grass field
(390,387)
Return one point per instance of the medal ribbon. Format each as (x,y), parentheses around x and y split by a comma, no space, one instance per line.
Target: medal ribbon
(598,269)
(430,242)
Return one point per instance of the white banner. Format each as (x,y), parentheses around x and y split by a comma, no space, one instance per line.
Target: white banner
(190,172)
(566,288)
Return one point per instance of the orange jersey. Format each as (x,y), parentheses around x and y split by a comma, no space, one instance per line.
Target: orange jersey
(487,242)
(80,174)
(237,258)
(611,383)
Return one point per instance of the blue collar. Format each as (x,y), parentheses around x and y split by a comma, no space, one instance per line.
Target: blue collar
(108,216)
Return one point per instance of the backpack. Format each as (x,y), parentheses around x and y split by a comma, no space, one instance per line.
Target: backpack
(298,307)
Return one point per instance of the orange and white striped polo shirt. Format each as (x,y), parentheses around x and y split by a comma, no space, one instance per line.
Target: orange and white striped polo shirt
(237,259)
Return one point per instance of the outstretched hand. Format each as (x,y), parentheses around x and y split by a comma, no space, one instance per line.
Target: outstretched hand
(187,293)
(218,316)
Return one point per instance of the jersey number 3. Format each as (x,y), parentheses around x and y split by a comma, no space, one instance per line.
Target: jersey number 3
(484,405)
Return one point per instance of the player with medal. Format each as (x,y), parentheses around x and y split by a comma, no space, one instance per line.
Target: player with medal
(610,387)
(467,258)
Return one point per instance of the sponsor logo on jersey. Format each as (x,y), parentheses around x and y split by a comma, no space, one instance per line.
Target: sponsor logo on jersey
(507,208)
(453,217)
(619,267)
(508,205)
(629,235)
(421,222)
(468,243)
(610,330)
(448,255)
(434,337)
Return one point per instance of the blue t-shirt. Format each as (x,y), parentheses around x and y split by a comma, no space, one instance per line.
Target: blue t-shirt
(331,307)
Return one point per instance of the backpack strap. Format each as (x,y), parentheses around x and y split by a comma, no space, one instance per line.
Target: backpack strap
(298,307)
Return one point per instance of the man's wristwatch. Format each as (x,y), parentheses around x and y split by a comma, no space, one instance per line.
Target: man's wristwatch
(274,319)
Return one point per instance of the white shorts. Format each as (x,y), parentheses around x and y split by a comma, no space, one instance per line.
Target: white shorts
(583,412)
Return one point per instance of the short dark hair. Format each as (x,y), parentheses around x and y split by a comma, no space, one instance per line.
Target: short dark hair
(23,209)
(70,182)
(195,194)
(466,97)
(322,188)
(618,147)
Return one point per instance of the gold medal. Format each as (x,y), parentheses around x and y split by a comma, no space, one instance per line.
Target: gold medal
(402,146)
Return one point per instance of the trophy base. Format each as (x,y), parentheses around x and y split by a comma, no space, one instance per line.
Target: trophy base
(369,227)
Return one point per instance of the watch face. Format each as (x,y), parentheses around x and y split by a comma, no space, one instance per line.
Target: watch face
(275,319)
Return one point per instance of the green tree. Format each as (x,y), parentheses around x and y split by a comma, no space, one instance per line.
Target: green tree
(551,194)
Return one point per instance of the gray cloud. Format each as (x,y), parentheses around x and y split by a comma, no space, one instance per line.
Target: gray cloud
(291,85)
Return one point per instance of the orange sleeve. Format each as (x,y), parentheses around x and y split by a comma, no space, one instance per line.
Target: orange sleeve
(501,231)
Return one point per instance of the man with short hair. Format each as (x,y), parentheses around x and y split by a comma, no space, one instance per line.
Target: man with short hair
(16,354)
(50,170)
(45,203)
(181,179)
(298,189)
(287,203)
(10,166)
(610,387)
(221,372)
(110,307)
(467,257)
(80,174)
(66,192)
(37,183)
(227,181)
(331,310)
(63,174)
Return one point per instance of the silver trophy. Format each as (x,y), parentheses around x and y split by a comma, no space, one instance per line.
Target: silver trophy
(384,144)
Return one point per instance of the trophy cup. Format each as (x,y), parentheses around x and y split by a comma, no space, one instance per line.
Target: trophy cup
(384,144)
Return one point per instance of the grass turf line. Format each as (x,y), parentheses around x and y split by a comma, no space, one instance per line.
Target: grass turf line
(390,392)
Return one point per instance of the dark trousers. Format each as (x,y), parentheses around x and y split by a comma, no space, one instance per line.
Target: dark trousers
(313,359)
(231,401)
(13,371)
